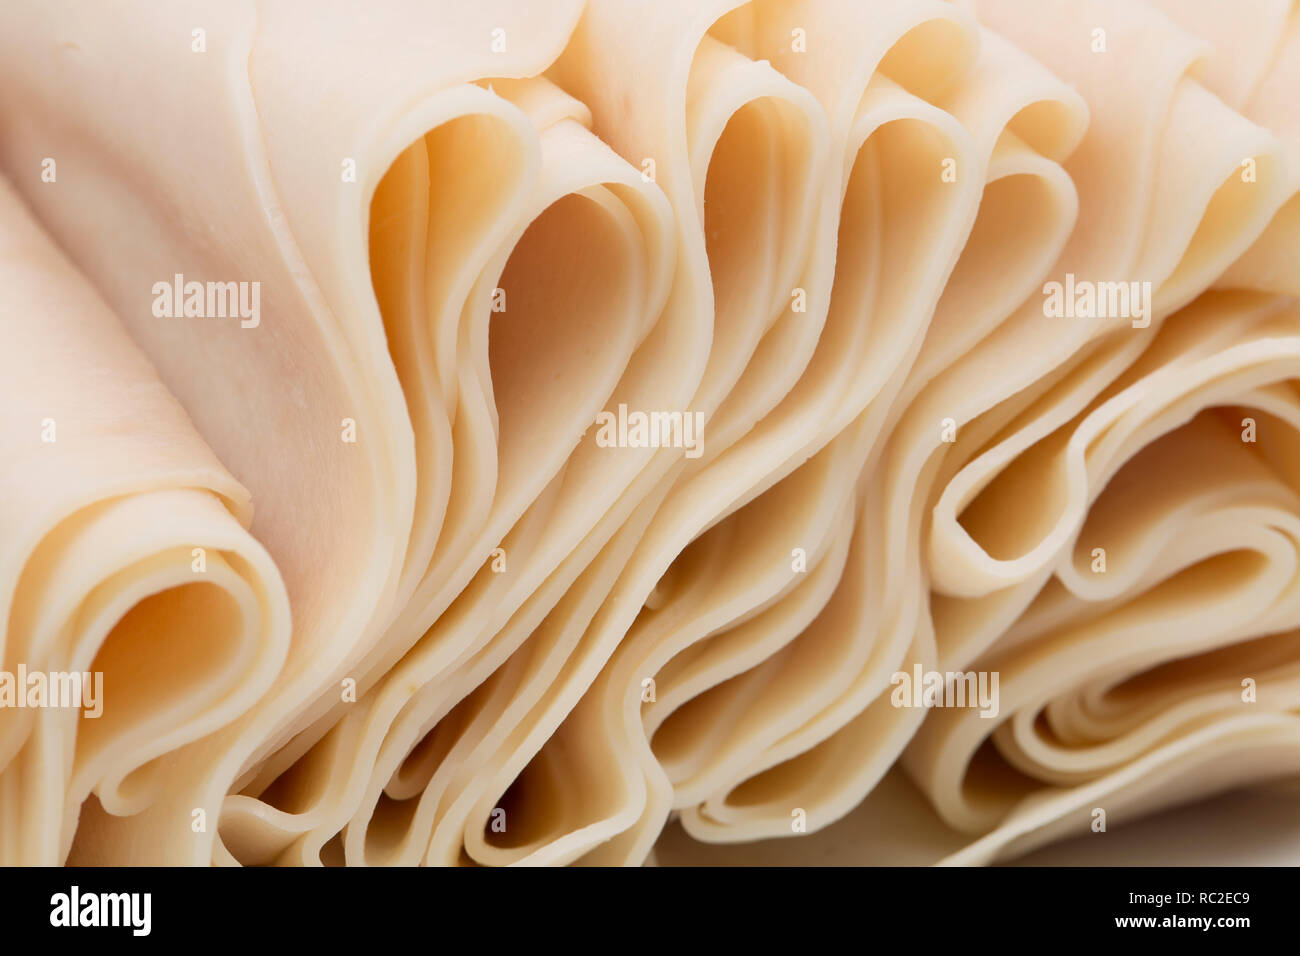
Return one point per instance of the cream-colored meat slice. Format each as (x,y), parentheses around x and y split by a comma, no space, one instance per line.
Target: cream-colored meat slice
(1025,98)
(1234,553)
(1202,252)
(264,194)
(655,549)
(1211,562)
(1188,244)
(836,232)
(966,627)
(614,294)
(651,550)
(1269,264)
(724,75)
(126,561)
(1253,63)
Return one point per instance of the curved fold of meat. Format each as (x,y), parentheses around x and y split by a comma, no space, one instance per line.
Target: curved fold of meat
(140,614)
(821,236)
(1111,541)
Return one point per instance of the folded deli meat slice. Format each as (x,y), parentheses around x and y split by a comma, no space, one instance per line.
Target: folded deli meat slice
(1253,64)
(141,614)
(735,108)
(591,207)
(1207,522)
(307,407)
(637,399)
